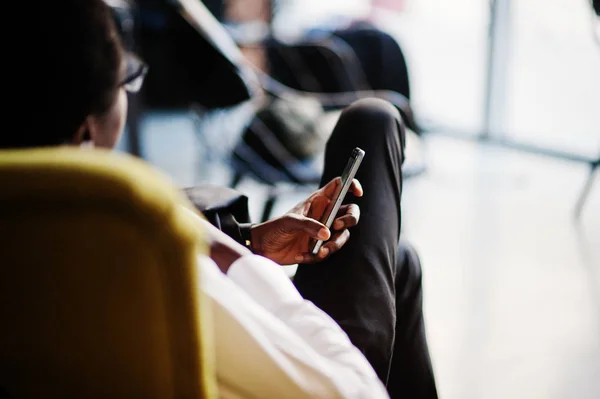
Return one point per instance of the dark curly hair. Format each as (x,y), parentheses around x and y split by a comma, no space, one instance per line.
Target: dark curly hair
(68,66)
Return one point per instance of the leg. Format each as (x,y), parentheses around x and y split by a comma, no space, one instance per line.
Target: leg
(369,288)
(411,374)
(356,286)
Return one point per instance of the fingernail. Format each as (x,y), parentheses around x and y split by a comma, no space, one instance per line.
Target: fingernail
(299,258)
(324,252)
(323,234)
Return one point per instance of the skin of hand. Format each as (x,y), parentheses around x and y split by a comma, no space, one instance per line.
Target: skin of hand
(289,239)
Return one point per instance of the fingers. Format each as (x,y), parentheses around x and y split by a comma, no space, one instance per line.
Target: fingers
(350,217)
(356,188)
(336,242)
(331,188)
(313,228)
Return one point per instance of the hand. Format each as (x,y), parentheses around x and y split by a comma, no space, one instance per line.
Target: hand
(289,239)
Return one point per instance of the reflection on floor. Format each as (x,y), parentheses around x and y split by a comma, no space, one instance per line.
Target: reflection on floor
(512,282)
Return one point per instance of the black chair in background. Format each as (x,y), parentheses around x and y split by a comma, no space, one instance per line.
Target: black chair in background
(195,64)
(334,68)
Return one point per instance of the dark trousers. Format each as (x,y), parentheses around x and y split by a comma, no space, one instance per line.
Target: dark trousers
(372,286)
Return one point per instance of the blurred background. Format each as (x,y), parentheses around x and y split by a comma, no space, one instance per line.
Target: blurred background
(502,190)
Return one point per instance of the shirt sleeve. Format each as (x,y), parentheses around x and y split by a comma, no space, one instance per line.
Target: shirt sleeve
(270,342)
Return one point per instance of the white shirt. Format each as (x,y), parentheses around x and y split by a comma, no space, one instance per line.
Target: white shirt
(271,343)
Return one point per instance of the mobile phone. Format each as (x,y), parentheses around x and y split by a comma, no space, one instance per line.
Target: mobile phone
(347,176)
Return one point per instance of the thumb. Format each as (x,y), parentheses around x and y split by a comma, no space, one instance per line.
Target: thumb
(309,226)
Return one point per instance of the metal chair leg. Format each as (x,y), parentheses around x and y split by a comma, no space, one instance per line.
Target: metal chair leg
(269,204)
(586,189)
(237,178)
(134,115)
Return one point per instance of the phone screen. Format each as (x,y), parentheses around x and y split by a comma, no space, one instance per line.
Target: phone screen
(347,176)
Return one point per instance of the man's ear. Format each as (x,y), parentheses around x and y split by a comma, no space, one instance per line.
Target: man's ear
(82,134)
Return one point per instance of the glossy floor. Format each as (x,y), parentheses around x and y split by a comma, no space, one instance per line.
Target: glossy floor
(512,281)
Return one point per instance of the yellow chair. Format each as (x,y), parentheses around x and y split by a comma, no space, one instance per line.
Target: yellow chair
(99,290)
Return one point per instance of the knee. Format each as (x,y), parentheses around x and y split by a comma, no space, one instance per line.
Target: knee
(373,117)
(371,110)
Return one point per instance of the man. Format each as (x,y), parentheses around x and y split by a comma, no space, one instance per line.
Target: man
(269,340)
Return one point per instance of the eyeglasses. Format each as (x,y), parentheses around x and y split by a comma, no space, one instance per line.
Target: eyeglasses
(135,74)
